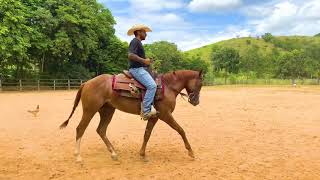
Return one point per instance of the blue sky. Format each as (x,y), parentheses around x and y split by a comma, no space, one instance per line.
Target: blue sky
(194,23)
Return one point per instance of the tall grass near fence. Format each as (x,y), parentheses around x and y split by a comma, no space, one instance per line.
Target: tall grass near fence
(235,81)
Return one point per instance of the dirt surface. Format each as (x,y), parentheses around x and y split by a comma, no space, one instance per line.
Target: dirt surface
(236,133)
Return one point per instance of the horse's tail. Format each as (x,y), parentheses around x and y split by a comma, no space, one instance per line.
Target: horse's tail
(76,102)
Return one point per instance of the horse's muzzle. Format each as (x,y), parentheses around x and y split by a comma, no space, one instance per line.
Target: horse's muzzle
(195,103)
(193,99)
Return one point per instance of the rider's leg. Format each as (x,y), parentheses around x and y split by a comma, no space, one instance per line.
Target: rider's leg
(141,75)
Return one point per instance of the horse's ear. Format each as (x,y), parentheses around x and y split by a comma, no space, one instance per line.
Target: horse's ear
(200,73)
(174,75)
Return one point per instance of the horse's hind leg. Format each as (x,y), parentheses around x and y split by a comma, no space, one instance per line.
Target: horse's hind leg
(85,120)
(106,113)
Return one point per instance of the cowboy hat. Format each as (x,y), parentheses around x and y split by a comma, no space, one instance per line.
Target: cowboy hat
(138,27)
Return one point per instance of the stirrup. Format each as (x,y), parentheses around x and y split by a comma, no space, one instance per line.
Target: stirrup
(152,114)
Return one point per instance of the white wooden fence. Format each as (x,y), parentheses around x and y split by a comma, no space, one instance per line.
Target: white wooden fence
(39,84)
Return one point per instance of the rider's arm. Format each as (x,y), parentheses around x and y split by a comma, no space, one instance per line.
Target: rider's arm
(134,57)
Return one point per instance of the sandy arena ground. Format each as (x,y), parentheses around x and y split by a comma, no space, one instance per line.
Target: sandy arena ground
(236,133)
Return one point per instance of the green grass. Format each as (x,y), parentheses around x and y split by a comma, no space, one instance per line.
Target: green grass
(241,45)
(280,82)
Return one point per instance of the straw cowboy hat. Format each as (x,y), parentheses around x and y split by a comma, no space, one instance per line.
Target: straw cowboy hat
(138,27)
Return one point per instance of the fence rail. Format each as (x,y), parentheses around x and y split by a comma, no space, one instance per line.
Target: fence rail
(39,84)
(68,84)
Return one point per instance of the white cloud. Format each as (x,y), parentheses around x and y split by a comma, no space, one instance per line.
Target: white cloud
(311,10)
(190,41)
(157,22)
(170,26)
(289,18)
(280,17)
(186,37)
(163,19)
(155,5)
(213,5)
(257,11)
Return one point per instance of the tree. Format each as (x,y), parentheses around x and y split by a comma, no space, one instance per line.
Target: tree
(226,59)
(43,37)
(313,68)
(195,63)
(14,37)
(253,60)
(267,37)
(166,55)
(112,59)
(292,65)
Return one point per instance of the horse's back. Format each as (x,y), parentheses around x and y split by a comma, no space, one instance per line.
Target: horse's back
(97,89)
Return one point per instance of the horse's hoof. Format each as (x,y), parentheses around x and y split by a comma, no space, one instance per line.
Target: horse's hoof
(114,157)
(142,154)
(79,159)
(144,159)
(191,154)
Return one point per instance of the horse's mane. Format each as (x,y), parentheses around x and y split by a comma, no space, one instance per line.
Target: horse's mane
(180,75)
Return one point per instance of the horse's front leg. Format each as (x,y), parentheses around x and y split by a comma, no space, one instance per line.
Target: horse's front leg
(173,124)
(147,133)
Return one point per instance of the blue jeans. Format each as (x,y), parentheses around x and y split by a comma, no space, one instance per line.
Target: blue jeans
(141,75)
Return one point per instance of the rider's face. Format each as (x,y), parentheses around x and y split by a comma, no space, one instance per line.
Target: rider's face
(143,34)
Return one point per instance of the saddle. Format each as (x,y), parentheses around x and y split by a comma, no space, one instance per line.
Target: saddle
(125,85)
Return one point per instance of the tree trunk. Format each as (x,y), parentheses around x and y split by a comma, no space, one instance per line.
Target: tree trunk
(17,69)
(22,73)
(42,63)
(225,78)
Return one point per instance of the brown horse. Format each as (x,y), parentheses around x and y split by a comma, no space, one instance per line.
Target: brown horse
(97,95)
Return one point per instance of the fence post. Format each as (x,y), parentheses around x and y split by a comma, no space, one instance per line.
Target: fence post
(54,84)
(68,84)
(38,85)
(20,84)
(80,82)
(0,85)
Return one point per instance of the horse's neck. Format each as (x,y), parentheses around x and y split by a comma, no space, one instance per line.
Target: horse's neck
(179,81)
(177,86)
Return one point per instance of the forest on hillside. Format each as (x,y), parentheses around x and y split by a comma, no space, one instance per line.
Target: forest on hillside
(43,39)
(265,57)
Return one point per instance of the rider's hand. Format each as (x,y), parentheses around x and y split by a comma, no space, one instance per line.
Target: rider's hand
(147,61)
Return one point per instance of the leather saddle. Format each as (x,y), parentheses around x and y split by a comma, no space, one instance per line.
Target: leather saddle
(125,85)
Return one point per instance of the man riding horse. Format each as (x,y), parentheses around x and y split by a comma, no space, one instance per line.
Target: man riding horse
(104,94)
(138,63)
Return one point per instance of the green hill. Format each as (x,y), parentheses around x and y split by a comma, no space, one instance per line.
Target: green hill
(281,43)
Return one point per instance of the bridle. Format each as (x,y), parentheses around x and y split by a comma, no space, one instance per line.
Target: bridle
(193,95)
